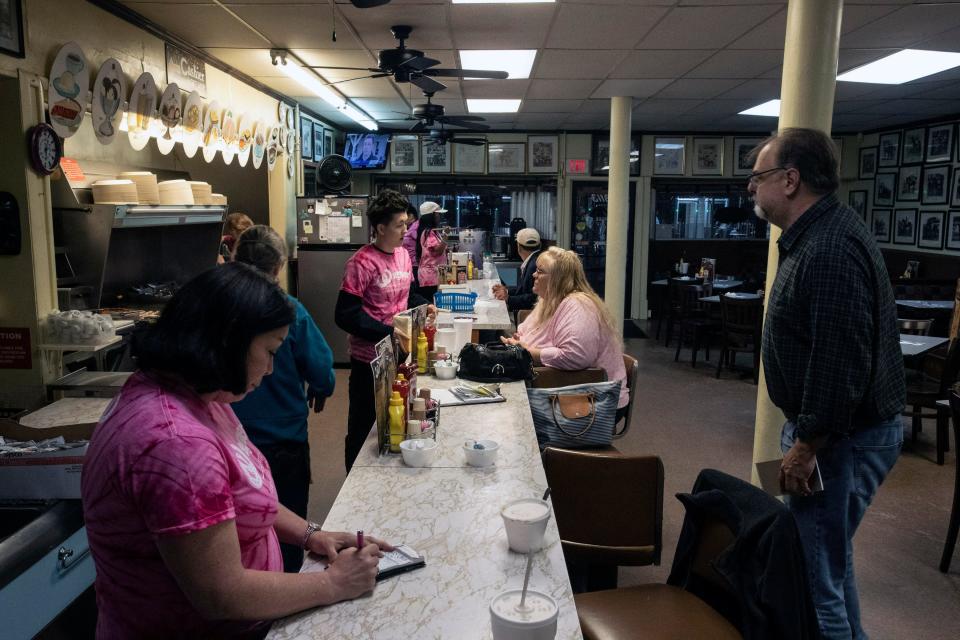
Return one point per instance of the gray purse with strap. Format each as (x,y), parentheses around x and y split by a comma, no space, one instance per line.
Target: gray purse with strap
(577,416)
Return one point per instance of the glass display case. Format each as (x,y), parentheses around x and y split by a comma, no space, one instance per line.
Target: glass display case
(588,235)
(705,211)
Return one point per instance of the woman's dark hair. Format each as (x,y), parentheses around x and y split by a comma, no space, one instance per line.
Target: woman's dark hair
(811,152)
(428,222)
(262,248)
(387,204)
(412,212)
(205,331)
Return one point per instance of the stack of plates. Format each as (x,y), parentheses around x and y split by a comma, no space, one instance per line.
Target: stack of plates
(115,192)
(202,192)
(146,182)
(219,199)
(175,192)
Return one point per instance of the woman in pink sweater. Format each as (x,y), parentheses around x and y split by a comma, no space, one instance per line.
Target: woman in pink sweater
(571,328)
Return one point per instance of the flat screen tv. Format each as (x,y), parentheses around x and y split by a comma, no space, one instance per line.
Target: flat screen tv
(367,150)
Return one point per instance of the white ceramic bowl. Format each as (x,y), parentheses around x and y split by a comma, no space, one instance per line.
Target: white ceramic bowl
(419,452)
(481,457)
(445,369)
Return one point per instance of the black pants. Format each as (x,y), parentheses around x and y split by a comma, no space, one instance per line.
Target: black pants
(290,467)
(362,412)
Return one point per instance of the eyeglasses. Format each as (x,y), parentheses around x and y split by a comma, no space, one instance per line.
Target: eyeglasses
(541,272)
(752,178)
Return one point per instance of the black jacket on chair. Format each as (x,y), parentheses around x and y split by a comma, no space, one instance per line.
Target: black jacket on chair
(764,566)
(522,296)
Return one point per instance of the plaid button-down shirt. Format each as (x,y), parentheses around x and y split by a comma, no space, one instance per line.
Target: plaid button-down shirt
(831,348)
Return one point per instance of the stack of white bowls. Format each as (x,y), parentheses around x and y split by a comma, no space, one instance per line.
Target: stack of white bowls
(175,192)
(115,192)
(147,190)
(202,192)
(219,199)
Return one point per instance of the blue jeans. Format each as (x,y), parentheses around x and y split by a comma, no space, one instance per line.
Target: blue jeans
(852,469)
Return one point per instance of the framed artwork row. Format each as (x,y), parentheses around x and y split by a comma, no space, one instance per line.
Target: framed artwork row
(923,229)
(927,184)
(413,154)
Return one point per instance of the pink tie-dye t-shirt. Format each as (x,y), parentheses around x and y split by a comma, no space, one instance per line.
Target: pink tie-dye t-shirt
(382,280)
(163,462)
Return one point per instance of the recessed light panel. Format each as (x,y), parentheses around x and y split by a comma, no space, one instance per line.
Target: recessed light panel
(493,106)
(903,66)
(516,62)
(769,108)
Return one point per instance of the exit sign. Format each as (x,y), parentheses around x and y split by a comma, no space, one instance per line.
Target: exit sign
(577,167)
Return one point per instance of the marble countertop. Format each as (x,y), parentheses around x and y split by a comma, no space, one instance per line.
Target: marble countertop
(452,517)
(67,411)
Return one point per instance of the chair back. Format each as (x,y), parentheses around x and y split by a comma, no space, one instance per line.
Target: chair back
(609,506)
(549,378)
(914,327)
(951,368)
(676,288)
(691,298)
(522,315)
(741,316)
(955,318)
(633,371)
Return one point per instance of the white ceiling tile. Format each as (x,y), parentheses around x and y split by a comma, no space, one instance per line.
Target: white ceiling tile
(430,29)
(383,107)
(372,88)
(946,41)
(848,59)
(756,89)
(656,107)
(293,25)
(561,89)
(540,120)
(565,63)
(905,26)
(853,90)
(481,26)
(451,106)
(595,106)
(633,88)
(549,106)
(851,106)
(659,63)
(202,26)
(768,33)
(612,27)
(738,64)
(700,88)
(494,88)
(721,108)
(253,62)
(946,92)
(918,108)
(706,27)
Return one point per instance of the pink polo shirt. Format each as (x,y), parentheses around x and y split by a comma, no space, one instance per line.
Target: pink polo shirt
(575,338)
(432,256)
(382,280)
(162,462)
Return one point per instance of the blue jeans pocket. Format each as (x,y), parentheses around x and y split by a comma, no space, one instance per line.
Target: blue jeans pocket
(872,463)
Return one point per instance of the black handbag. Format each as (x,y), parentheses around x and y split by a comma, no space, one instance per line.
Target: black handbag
(495,362)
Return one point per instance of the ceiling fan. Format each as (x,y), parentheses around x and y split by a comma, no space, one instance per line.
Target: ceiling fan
(442,135)
(410,65)
(428,115)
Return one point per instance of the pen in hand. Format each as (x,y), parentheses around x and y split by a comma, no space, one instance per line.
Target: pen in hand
(360,539)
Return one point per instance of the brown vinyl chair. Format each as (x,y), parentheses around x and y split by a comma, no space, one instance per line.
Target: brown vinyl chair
(633,371)
(522,315)
(914,327)
(695,322)
(741,329)
(937,376)
(954,525)
(609,510)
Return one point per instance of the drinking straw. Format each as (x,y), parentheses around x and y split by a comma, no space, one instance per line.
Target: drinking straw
(526,582)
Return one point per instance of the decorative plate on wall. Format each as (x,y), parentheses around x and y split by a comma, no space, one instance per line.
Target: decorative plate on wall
(244,138)
(192,124)
(109,98)
(212,135)
(141,111)
(68,90)
(259,146)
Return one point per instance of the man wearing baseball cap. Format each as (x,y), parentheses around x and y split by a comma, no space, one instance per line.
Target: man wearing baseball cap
(522,296)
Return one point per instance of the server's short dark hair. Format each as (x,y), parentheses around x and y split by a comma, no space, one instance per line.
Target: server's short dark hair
(205,331)
(387,204)
(811,152)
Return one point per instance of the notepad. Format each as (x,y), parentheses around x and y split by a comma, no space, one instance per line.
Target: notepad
(455,397)
(400,560)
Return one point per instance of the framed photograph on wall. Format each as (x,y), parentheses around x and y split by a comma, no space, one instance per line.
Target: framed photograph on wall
(940,143)
(506,157)
(318,151)
(741,156)
(469,158)
(600,155)
(542,154)
(306,138)
(905,226)
(868,163)
(908,183)
(889,153)
(435,156)
(858,202)
(668,156)
(11,28)
(931,230)
(328,142)
(936,182)
(913,146)
(953,230)
(884,187)
(881,225)
(708,156)
(955,190)
(405,154)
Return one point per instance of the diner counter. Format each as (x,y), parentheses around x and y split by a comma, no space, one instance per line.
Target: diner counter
(451,514)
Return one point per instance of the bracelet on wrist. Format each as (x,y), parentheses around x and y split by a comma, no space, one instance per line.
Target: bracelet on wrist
(312,527)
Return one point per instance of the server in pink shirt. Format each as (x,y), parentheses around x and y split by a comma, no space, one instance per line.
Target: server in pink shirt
(431,251)
(180,508)
(377,285)
(410,237)
(570,327)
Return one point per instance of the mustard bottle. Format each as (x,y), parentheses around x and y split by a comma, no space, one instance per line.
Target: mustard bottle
(397,425)
(470,268)
(422,353)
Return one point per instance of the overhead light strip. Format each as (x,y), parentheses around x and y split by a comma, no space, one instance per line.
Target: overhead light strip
(293,68)
(493,106)
(769,108)
(902,66)
(516,62)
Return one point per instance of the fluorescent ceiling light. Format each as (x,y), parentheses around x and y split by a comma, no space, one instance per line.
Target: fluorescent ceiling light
(501,1)
(516,62)
(903,66)
(312,83)
(768,108)
(493,106)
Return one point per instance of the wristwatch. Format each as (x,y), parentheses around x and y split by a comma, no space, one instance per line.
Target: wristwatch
(312,527)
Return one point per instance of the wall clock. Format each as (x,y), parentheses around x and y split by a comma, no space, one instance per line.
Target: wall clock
(46,149)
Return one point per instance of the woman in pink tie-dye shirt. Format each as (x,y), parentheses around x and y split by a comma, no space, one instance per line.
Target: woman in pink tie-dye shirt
(180,508)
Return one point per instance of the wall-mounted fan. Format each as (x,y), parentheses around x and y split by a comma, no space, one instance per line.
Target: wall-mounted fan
(333,175)
(410,65)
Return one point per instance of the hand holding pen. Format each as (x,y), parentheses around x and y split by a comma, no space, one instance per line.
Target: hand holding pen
(333,543)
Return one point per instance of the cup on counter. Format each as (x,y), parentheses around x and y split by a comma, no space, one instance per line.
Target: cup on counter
(526,523)
(536,620)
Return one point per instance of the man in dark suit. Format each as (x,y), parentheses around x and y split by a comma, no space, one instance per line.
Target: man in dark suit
(522,296)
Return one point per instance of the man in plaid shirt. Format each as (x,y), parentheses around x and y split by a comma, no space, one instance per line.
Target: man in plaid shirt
(831,355)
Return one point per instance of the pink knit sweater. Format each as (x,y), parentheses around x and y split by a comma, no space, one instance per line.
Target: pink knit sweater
(576,338)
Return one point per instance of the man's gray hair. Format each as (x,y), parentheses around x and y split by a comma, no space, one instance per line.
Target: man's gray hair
(811,152)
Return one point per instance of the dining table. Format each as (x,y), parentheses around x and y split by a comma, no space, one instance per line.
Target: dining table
(733,295)
(911,345)
(938,305)
(450,513)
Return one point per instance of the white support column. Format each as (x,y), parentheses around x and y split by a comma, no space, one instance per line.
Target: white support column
(806,94)
(618,207)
